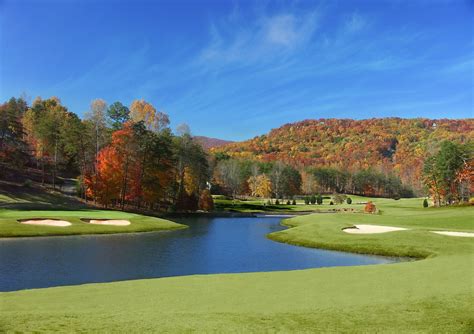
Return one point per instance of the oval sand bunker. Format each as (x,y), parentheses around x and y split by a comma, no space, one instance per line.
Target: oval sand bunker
(45,222)
(455,234)
(115,222)
(371,229)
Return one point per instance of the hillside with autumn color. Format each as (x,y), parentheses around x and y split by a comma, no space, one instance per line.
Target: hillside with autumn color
(207,142)
(388,145)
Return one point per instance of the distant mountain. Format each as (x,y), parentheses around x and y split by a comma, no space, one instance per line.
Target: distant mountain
(208,143)
(389,145)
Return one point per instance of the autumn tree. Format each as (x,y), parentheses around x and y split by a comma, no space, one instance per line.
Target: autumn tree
(260,185)
(142,111)
(110,182)
(370,207)
(253,185)
(106,184)
(206,203)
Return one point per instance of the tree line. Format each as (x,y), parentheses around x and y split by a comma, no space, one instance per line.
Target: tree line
(123,156)
(243,177)
(387,145)
(129,157)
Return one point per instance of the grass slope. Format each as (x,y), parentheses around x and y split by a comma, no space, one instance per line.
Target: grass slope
(433,295)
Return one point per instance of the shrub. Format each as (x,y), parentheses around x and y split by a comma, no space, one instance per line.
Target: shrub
(339,199)
(206,202)
(269,202)
(277,202)
(370,207)
(319,199)
(306,200)
(331,203)
(313,199)
(396,197)
(27,183)
(288,202)
(294,202)
(349,200)
(425,203)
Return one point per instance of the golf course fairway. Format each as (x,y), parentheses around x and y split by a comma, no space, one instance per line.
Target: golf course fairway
(10,226)
(433,294)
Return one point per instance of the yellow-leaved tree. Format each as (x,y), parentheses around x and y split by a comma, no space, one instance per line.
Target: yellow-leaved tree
(260,186)
(154,120)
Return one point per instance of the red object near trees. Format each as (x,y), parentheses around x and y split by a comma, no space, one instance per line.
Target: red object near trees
(370,207)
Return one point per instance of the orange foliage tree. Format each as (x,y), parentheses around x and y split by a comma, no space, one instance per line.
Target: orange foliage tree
(370,207)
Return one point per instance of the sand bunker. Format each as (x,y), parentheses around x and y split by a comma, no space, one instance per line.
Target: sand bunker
(46,222)
(116,222)
(371,229)
(455,234)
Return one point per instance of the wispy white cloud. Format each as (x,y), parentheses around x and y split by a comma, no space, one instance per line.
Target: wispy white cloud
(266,37)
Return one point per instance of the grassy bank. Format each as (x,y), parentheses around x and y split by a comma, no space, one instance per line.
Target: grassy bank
(22,203)
(9,226)
(434,295)
(324,231)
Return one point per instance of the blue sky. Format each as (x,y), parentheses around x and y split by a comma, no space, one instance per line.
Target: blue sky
(236,69)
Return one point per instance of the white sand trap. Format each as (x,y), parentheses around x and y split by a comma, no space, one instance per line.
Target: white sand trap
(455,234)
(116,222)
(46,222)
(371,229)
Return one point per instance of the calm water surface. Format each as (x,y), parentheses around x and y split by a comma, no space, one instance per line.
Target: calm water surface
(209,245)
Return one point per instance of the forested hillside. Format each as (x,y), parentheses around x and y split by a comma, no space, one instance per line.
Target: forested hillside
(386,145)
(208,142)
(128,157)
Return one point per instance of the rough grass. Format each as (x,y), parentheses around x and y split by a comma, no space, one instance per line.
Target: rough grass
(14,196)
(433,295)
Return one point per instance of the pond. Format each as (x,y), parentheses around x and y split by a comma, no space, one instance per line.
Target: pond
(208,246)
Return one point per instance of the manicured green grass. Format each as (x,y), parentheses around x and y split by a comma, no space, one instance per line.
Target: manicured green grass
(260,205)
(432,295)
(10,227)
(21,203)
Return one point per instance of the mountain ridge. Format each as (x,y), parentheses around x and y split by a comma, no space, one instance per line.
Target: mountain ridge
(390,145)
